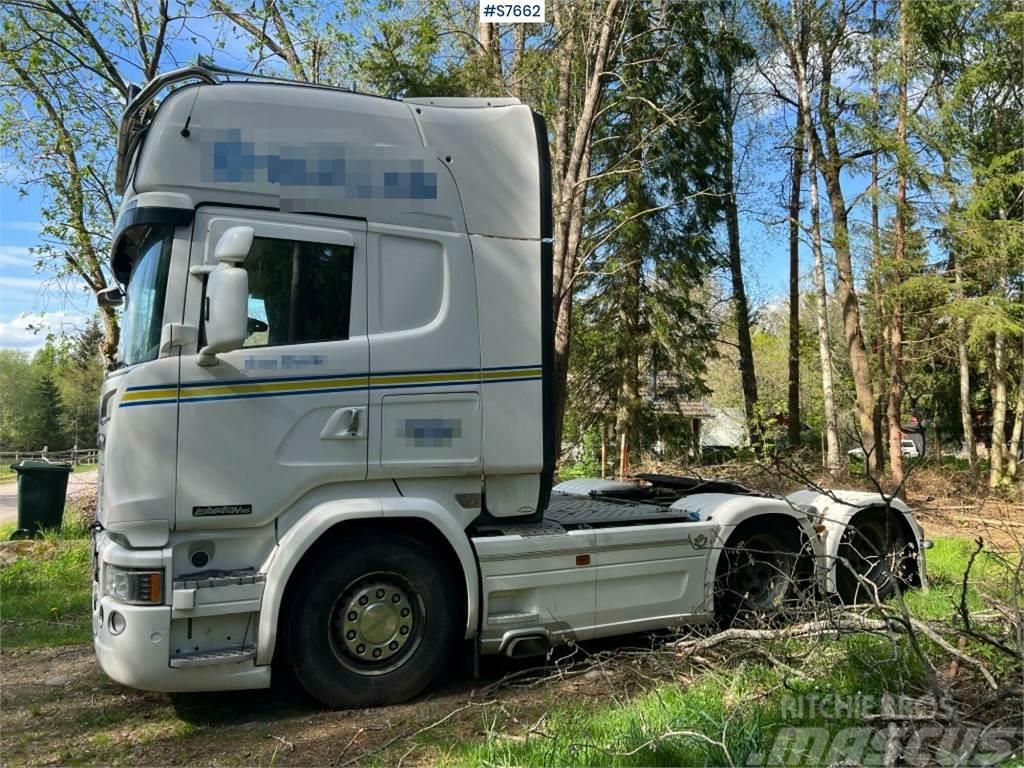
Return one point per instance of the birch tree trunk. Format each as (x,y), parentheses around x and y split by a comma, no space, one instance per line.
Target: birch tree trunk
(880,344)
(798,63)
(964,362)
(571,169)
(894,409)
(1018,428)
(794,281)
(998,447)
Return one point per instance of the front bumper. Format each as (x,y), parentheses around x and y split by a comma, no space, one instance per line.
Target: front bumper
(139,655)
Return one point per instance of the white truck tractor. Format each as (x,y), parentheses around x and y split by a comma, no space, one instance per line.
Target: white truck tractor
(328,441)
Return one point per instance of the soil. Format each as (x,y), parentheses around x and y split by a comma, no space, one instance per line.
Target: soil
(58,708)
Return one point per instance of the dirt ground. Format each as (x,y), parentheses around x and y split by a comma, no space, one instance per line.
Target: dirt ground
(58,708)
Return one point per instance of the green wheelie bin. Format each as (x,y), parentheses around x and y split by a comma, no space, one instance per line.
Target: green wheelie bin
(42,486)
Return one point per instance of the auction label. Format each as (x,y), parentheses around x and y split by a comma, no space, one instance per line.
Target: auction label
(512,13)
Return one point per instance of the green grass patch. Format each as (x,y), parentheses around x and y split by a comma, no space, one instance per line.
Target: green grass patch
(46,591)
(728,717)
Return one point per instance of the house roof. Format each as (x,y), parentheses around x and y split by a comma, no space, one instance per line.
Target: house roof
(690,409)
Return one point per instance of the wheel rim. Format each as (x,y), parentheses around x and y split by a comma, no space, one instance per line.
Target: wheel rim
(762,575)
(376,623)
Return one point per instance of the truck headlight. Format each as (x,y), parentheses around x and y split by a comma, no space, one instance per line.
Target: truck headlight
(134,585)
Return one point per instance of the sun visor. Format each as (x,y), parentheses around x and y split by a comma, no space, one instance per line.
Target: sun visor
(132,226)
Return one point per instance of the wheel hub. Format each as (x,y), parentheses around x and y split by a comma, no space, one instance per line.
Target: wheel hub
(374,621)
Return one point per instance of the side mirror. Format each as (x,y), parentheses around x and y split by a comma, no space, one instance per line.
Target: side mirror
(234,245)
(227,296)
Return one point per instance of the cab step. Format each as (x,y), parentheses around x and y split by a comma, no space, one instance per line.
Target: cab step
(217,656)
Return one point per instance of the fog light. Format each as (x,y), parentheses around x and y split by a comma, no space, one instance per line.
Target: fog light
(117,623)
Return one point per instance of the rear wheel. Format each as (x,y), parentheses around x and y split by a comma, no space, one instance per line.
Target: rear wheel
(756,576)
(871,557)
(373,625)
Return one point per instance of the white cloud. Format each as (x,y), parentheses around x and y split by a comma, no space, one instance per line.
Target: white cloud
(19,333)
(20,283)
(16,256)
(24,226)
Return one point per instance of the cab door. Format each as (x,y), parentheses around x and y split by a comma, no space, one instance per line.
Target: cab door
(288,411)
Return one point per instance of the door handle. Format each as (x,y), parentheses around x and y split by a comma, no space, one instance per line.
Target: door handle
(344,424)
(353,424)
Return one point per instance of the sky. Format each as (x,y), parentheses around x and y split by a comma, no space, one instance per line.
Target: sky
(32,298)
(29,297)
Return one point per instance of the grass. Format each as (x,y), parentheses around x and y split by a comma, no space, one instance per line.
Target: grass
(731,716)
(46,590)
(8,475)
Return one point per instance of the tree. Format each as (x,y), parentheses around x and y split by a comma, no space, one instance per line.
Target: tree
(796,45)
(895,401)
(47,396)
(828,27)
(796,181)
(648,231)
(732,53)
(80,371)
(987,101)
(65,74)
(17,402)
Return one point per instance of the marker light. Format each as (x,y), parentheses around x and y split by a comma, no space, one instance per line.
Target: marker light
(131,585)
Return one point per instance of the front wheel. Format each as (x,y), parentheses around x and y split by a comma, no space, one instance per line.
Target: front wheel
(373,623)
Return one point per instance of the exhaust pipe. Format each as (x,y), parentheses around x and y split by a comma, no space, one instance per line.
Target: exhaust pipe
(525,646)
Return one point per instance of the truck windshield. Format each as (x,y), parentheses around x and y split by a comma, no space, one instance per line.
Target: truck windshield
(144,300)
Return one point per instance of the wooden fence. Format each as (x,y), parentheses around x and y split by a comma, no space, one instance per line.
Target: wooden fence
(72,456)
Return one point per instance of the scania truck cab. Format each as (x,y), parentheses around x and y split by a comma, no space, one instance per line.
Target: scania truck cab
(327,445)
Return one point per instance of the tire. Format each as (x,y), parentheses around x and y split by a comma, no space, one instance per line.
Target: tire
(371,624)
(871,558)
(756,576)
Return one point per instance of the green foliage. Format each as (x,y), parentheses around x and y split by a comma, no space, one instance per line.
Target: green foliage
(50,399)
(47,593)
(642,332)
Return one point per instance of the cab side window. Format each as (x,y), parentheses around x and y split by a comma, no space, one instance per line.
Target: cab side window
(299,292)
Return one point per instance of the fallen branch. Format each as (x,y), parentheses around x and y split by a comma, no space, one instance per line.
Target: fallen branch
(833,626)
(414,734)
(807,629)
